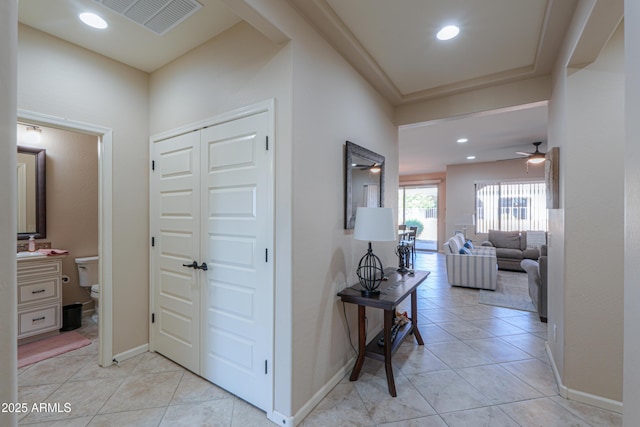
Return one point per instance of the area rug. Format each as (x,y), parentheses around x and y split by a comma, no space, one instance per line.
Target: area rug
(50,347)
(512,291)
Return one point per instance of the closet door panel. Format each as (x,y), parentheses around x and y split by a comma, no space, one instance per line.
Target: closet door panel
(175,216)
(237,227)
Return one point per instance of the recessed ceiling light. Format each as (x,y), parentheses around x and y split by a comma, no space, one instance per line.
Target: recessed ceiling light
(462,140)
(471,157)
(448,32)
(93,20)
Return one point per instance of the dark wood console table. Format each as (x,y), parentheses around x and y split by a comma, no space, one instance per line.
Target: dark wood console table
(392,293)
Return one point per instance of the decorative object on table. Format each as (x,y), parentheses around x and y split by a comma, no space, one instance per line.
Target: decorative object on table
(399,321)
(404,257)
(373,225)
(364,181)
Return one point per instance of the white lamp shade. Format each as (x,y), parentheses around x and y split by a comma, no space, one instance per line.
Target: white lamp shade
(375,225)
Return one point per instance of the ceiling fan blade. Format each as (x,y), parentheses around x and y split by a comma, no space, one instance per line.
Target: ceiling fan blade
(522,153)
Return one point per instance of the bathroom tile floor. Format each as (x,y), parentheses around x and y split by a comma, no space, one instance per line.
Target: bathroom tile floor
(480,366)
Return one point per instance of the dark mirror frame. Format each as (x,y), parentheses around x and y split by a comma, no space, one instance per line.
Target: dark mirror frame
(354,150)
(41,192)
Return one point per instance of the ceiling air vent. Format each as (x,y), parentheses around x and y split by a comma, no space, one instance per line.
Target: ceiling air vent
(159,16)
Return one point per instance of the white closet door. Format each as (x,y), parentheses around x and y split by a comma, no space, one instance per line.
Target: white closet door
(175,216)
(237,224)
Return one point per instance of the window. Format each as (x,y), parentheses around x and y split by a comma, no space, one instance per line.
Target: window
(511,206)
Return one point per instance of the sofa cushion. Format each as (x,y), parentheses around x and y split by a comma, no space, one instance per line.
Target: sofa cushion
(505,239)
(514,254)
(454,245)
(459,238)
(531,253)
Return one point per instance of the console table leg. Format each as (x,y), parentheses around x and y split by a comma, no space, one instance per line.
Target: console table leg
(388,324)
(362,333)
(414,317)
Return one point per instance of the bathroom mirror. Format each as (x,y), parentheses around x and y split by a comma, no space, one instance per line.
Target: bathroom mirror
(364,181)
(31,206)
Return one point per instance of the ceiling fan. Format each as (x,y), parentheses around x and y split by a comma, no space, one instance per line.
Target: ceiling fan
(536,156)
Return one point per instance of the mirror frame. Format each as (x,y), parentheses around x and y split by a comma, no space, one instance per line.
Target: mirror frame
(358,151)
(41,192)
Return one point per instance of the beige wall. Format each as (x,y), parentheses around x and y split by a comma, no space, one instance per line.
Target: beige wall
(63,80)
(240,67)
(461,181)
(332,103)
(505,95)
(321,102)
(8,293)
(586,120)
(632,213)
(72,202)
(594,195)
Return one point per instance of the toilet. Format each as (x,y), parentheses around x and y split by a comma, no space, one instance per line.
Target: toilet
(88,279)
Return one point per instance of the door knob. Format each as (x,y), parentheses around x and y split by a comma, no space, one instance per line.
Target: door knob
(195,266)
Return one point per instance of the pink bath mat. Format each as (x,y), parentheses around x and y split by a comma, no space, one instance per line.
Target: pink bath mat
(50,347)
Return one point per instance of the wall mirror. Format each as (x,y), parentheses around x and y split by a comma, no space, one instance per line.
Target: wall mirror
(364,181)
(31,206)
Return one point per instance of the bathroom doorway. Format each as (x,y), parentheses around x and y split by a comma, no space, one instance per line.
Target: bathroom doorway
(71,183)
(100,140)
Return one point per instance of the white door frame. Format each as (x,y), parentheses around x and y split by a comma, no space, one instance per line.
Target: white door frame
(105,218)
(267,106)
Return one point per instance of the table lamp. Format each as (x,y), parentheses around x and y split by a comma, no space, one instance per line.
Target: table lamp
(373,225)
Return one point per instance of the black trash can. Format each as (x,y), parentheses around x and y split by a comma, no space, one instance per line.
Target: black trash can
(71,317)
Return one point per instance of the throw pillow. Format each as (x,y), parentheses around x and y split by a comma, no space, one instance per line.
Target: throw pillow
(465,251)
(468,244)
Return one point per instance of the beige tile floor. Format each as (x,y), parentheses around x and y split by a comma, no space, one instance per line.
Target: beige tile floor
(480,366)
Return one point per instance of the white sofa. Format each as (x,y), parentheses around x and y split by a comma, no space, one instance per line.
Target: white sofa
(477,269)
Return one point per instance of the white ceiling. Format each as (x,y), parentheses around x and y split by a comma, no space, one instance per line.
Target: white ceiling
(496,135)
(126,41)
(390,42)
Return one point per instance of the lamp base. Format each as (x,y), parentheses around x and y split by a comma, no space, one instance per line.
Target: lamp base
(370,273)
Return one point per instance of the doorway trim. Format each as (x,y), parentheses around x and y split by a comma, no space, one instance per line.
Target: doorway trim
(105,218)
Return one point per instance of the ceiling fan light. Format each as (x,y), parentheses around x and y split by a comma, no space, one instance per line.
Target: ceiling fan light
(375,169)
(536,158)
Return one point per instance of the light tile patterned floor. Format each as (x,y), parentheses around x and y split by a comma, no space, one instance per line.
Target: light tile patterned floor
(480,366)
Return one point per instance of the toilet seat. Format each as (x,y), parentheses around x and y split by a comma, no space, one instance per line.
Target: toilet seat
(95,290)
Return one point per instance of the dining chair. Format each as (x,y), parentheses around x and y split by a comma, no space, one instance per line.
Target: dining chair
(410,241)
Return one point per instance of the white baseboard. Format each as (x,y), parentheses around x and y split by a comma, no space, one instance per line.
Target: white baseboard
(87,312)
(316,398)
(580,396)
(131,353)
(281,420)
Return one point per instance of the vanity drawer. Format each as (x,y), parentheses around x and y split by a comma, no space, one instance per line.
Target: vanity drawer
(35,291)
(39,268)
(34,321)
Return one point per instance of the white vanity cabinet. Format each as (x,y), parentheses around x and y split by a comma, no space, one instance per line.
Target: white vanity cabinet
(39,296)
